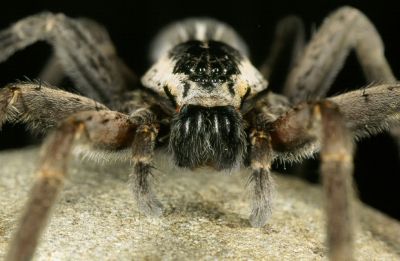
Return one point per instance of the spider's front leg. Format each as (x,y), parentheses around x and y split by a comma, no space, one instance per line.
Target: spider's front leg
(142,157)
(261,179)
(326,126)
(41,107)
(344,30)
(107,130)
(300,132)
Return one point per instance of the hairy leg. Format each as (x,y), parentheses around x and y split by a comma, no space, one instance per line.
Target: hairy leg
(83,48)
(289,31)
(142,157)
(337,173)
(344,30)
(41,107)
(365,112)
(323,57)
(323,123)
(261,180)
(104,129)
(45,189)
(372,110)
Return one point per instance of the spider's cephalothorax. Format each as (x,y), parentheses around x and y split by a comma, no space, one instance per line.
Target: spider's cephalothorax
(206,80)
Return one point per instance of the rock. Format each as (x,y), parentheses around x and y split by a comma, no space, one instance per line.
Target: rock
(205,217)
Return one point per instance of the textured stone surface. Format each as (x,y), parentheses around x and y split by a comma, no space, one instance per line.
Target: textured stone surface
(205,217)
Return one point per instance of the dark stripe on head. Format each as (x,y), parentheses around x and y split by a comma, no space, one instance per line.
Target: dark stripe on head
(186,88)
(230,88)
(170,96)
(245,96)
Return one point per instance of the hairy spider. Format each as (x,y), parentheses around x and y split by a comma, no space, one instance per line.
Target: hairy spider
(206,103)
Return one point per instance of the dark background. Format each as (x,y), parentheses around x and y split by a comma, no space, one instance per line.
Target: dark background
(132,26)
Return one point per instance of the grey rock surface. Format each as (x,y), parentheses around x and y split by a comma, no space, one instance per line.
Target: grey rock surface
(205,217)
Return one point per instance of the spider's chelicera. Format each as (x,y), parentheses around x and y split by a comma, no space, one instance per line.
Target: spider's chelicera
(203,100)
(207,136)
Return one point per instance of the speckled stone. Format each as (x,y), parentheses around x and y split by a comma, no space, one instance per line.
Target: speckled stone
(205,217)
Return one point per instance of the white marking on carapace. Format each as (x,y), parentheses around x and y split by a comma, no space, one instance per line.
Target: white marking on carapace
(250,77)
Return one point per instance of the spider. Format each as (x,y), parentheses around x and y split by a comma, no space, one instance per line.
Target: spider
(205,103)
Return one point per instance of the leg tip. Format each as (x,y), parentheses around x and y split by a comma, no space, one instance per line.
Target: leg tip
(151,208)
(259,217)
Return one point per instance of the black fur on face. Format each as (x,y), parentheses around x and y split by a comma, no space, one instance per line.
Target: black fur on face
(212,136)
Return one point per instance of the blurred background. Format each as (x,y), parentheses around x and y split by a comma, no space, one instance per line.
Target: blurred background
(132,27)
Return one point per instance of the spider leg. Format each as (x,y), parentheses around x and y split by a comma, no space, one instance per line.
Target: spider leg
(104,129)
(365,112)
(41,107)
(142,157)
(323,123)
(53,71)
(337,170)
(323,57)
(43,194)
(290,30)
(372,110)
(261,179)
(345,29)
(309,127)
(83,48)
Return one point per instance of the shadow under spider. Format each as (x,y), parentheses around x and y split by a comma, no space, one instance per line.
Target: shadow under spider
(208,210)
